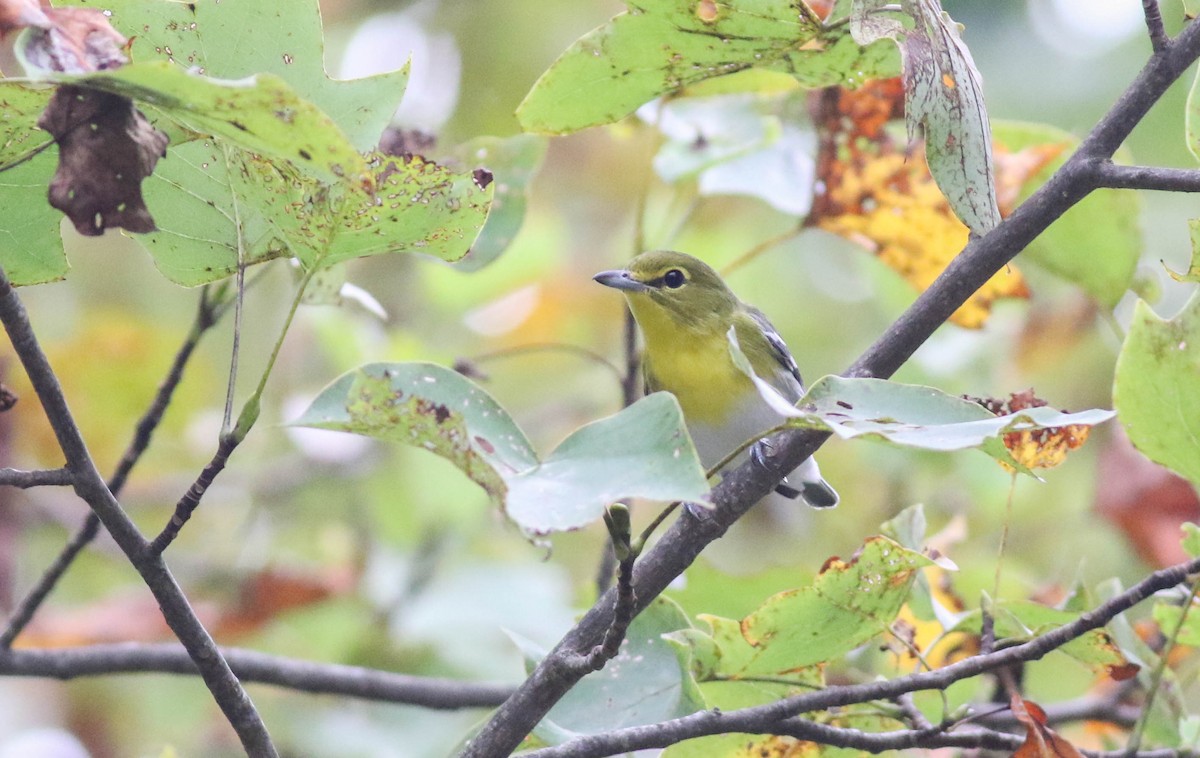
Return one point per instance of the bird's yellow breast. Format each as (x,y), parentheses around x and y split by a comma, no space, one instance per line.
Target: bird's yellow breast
(695,367)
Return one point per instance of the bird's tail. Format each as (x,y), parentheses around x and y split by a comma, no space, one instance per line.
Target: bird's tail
(814,490)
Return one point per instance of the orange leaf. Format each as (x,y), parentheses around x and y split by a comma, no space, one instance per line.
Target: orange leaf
(1041,448)
(880,195)
(1040,740)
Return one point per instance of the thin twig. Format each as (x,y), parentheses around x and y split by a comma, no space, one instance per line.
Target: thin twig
(253,666)
(744,486)
(228,693)
(54,477)
(1156,677)
(1154,25)
(191,499)
(23,613)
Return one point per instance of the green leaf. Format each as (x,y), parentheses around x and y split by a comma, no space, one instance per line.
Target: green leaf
(1025,619)
(1169,616)
(260,114)
(1191,539)
(233,40)
(31,250)
(20,108)
(1156,392)
(1097,242)
(513,162)
(922,417)
(849,603)
(943,101)
(418,207)
(1193,272)
(645,684)
(643,451)
(661,47)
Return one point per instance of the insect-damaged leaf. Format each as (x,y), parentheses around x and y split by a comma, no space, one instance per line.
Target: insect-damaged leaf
(943,100)
(848,603)
(661,47)
(927,418)
(643,451)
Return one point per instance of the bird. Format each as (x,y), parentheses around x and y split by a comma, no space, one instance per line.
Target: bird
(685,313)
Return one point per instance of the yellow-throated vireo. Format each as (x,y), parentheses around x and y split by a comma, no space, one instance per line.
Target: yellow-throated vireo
(685,311)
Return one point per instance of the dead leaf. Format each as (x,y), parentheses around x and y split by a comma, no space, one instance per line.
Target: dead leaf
(876,194)
(1040,740)
(106,148)
(1040,448)
(1146,501)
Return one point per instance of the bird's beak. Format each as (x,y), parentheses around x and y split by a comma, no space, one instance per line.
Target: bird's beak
(620,279)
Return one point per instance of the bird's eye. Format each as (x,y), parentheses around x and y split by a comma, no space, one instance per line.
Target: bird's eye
(674,278)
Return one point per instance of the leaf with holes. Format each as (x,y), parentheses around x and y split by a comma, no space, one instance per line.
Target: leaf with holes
(643,451)
(847,604)
(657,48)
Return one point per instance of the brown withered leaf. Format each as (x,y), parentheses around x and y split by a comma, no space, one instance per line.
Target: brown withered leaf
(1040,740)
(1146,501)
(106,147)
(877,193)
(1040,448)
(18,14)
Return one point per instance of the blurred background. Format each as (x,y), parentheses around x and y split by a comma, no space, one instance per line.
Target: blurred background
(332,548)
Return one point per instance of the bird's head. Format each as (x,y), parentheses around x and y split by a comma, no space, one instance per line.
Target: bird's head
(664,283)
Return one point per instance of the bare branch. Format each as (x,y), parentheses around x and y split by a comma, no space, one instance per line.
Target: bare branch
(252,666)
(741,488)
(33,600)
(1116,176)
(55,477)
(1154,25)
(191,499)
(224,686)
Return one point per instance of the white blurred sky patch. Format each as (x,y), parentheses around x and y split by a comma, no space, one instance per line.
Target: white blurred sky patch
(386,41)
(1085,28)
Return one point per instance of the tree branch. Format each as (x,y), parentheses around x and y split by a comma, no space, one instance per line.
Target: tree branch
(1154,25)
(253,666)
(55,477)
(224,686)
(208,313)
(1116,176)
(741,488)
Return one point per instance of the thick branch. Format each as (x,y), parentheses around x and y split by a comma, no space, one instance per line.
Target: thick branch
(252,666)
(750,482)
(228,693)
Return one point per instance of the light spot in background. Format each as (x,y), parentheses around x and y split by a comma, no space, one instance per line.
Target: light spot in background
(505,313)
(321,445)
(387,41)
(1085,29)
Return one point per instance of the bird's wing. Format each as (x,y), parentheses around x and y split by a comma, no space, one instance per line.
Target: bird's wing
(782,372)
